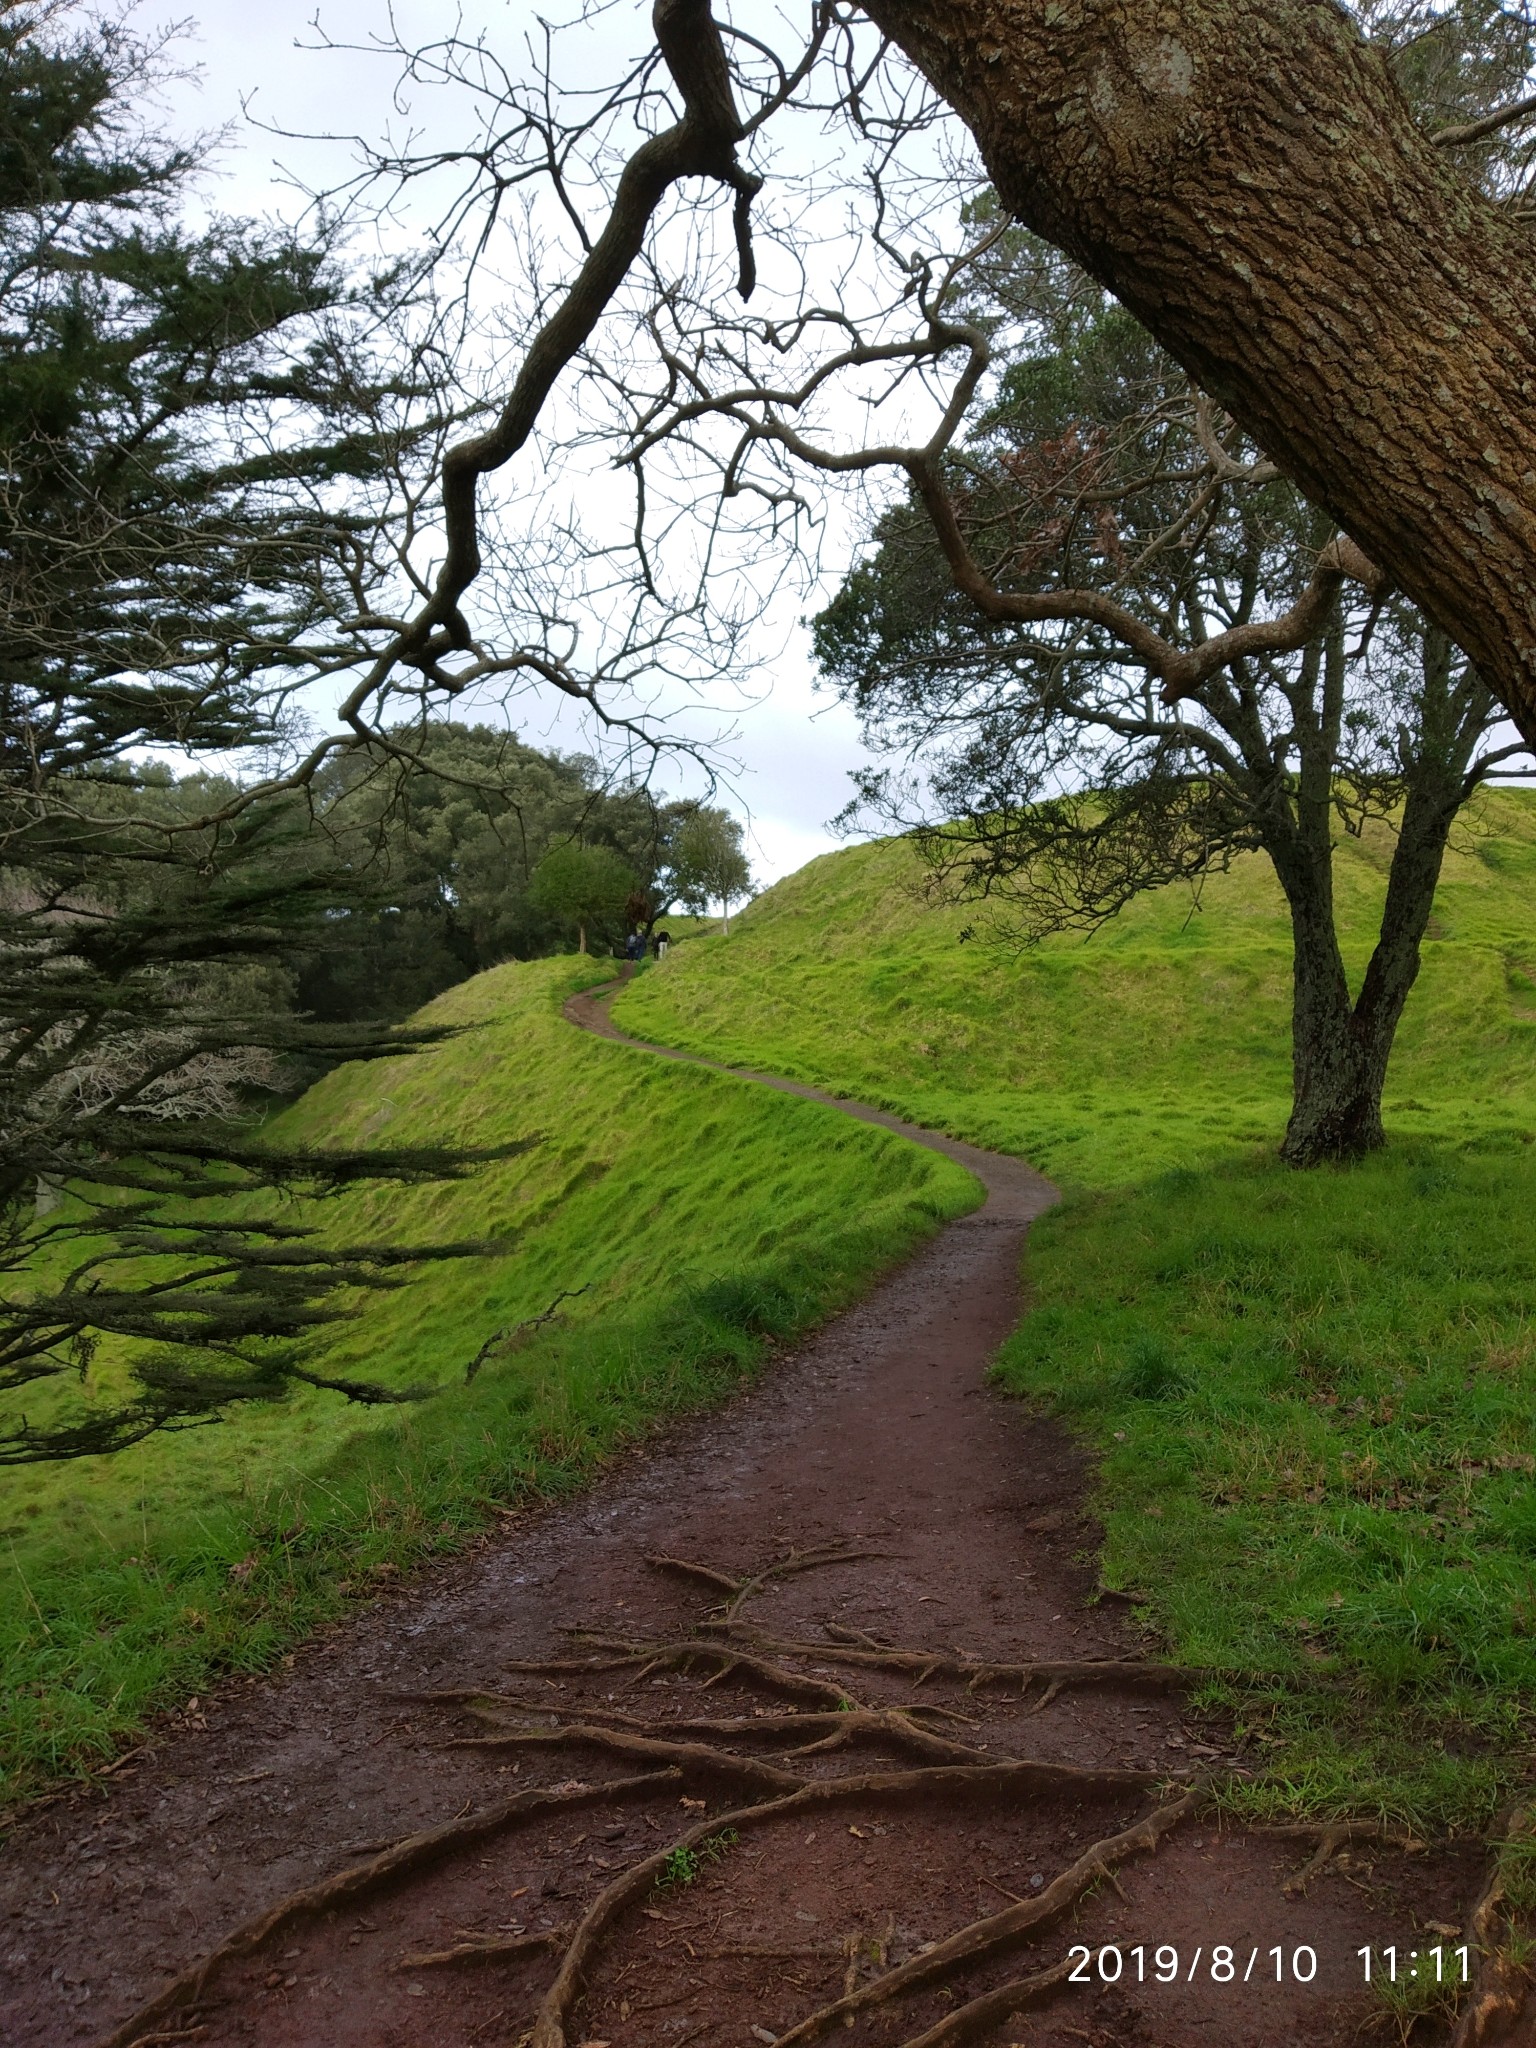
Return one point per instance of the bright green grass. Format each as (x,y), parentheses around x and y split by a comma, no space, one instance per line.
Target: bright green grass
(1316,1399)
(1314,1395)
(706,1216)
(1162,1040)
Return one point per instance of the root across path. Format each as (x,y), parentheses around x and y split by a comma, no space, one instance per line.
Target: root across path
(807,1725)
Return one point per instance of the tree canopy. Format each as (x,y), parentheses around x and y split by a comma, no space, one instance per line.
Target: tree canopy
(1060,784)
(710,864)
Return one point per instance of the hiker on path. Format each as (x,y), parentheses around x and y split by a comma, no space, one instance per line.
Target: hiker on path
(660,944)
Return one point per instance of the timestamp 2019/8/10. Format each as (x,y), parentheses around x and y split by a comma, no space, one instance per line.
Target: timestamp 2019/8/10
(1416,1965)
(1223,1964)
(1140,1963)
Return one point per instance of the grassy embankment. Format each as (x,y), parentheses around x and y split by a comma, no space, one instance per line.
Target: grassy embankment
(1314,1395)
(704,1216)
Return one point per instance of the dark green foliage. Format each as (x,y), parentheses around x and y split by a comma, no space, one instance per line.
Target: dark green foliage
(196,439)
(440,842)
(441,850)
(582,887)
(760,1304)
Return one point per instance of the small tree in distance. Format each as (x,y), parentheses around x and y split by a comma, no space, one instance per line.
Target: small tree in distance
(709,864)
(581,885)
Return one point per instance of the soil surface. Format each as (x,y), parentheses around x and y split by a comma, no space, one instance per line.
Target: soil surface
(891,1499)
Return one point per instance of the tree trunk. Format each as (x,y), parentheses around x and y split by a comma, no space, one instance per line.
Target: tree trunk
(1340,1050)
(1248,180)
(1338,1072)
(581,938)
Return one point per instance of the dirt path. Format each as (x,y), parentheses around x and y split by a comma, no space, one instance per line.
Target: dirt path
(897,1502)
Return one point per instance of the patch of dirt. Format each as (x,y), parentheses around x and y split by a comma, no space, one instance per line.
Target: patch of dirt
(870,1493)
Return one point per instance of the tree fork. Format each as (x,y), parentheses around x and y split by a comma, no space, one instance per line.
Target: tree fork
(701,145)
(1250,183)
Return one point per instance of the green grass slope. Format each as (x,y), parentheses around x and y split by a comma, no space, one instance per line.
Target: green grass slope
(1162,1038)
(1314,1396)
(704,1218)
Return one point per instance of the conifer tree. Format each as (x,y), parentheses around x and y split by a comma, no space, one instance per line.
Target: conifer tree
(198,439)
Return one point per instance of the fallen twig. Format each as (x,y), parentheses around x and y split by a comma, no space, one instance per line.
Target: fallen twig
(498,1338)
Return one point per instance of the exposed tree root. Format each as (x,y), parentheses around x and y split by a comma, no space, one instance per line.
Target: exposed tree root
(686,1568)
(412,1853)
(697,1760)
(1501,1983)
(795,1780)
(493,1707)
(825,1731)
(967,2021)
(741,1590)
(488,1948)
(618,1653)
(850,1646)
(966,1780)
(985,1938)
(1331,1837)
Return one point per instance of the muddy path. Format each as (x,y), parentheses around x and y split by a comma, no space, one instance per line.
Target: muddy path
(663,1774)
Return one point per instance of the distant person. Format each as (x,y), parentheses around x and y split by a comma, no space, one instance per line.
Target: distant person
(660,943)
(634,947)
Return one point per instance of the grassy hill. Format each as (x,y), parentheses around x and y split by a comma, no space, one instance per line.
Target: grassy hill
(1163,1038)
(1313,1395)
(701,1216)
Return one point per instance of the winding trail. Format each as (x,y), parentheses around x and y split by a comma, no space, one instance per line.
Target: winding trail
(897,1501)
(1016,1193)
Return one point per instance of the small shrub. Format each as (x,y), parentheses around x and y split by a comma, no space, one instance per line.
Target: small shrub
(683,1865)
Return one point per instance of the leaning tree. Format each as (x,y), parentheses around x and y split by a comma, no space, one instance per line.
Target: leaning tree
(1252,182)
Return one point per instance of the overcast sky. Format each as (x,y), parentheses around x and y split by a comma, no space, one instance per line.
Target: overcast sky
(795,746)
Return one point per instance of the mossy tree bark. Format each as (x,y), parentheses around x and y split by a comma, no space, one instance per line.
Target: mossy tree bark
(1249,181)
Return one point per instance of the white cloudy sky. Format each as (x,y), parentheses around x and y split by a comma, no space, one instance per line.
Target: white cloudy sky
(795,745)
